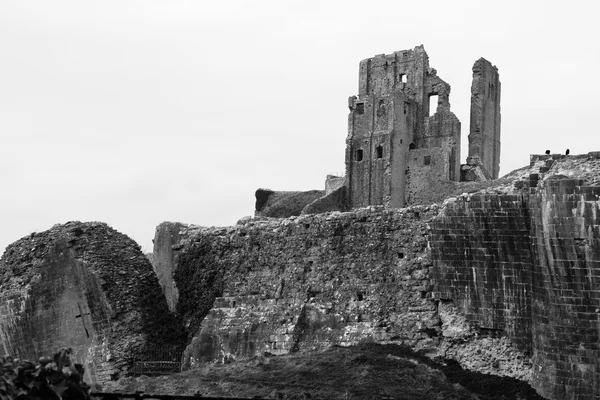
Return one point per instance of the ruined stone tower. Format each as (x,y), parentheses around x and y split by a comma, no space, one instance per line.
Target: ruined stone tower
(403,143)
(402,136)
(484,135)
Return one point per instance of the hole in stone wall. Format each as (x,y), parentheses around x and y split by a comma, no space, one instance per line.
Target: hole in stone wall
(307,226)
(423,295)
(359,154)
(379,150)
(403,78)
(400,254)
(381,108)
(433,102)
(359,296)
(233,304)
(426,160)
(412,146)
(360,108)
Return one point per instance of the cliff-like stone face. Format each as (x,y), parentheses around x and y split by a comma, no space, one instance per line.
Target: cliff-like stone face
(84,286)
(481,244)
(566,299)
(526,263)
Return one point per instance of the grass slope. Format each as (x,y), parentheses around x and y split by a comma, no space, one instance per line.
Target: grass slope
(366,371)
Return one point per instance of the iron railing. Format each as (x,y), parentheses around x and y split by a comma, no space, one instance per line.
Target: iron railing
(156,360)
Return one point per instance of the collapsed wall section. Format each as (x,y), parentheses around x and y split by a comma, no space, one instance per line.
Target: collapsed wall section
(84,286)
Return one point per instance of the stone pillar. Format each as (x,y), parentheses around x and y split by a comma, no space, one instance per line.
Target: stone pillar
(484,135)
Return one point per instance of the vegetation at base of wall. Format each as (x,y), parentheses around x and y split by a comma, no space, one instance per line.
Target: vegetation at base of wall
(51,378)
(199,280)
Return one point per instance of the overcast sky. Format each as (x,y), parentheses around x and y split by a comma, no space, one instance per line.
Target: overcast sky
(136,112)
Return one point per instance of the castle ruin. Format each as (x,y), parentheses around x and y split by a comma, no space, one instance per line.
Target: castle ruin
(403,141)
(402,136)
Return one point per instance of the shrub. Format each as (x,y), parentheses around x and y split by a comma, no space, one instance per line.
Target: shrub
(52,378)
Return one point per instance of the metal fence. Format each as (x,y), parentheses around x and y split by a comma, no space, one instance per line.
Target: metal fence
(144,396)
(157,360)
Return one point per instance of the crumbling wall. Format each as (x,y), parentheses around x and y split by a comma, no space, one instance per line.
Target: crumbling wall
(484,133)
(167,235)
(483,262)
(390,120)
(528,265)
(280,286)
(84,286)
(334,201)
(565,296)
(333,183)
(308,283)
(281,204)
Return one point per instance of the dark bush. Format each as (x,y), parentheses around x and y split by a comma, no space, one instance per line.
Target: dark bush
(51,378)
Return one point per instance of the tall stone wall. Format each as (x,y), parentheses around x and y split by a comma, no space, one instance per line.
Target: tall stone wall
(565,292)
(481,245)
(308,283)
(84,286)
(529,265)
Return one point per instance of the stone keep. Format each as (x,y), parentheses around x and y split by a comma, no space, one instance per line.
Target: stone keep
(397,142)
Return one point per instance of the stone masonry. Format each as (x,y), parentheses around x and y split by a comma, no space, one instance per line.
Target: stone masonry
(84,286)
(484,134)
(397,142)
(528,264)
(403,141)
(309,282)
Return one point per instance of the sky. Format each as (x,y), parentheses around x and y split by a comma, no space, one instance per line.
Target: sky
(134,112)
